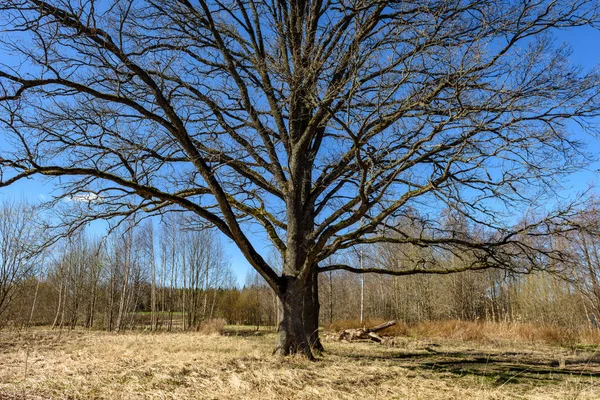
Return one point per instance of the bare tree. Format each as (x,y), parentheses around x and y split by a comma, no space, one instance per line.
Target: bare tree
(171,255)
(317,123)
(199,252)
(20,247)
(149,258)
(76,276)
(585,246)
(124,274)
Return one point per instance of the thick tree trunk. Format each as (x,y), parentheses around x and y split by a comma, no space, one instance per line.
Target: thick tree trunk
(292,336)
(298,330)
(299,299)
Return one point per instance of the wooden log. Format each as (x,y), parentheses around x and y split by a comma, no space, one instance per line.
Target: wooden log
(382,326)
(374,337)
(365,333)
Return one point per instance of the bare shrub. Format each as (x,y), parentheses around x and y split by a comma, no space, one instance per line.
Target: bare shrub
(488,332)
(557,335)
(211,327)
(457,330)
(400,329)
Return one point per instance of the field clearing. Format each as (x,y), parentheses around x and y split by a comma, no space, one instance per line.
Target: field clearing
(40,364)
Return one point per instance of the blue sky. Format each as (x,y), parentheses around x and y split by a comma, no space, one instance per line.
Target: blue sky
(585,43)
(586,51)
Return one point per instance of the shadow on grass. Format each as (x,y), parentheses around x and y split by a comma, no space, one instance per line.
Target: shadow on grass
(498,367)
(247,331)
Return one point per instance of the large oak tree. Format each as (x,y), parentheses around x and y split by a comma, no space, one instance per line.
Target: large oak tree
(326,123)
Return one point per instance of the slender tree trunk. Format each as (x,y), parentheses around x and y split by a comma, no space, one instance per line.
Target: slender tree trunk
(58,307)
(163,304)
(111,301)
(205,290)
(153,322)
(258,310)
(171,284)
(75,311)
(62,313)
(90,321)
(92,306)
(330,298)
(37,287)
(183,290)
(133,301)
(123,299)
(214,302)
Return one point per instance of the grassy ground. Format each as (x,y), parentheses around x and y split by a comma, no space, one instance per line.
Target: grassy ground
(79,364)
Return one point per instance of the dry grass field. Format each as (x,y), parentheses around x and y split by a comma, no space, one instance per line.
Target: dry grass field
(40,364)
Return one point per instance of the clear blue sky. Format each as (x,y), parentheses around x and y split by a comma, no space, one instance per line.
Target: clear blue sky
(586,51)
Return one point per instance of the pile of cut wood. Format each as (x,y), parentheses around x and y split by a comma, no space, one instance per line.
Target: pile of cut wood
(350,335)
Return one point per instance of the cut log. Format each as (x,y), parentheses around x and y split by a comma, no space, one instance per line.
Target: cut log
(365,333)
(382,326)
(374,337)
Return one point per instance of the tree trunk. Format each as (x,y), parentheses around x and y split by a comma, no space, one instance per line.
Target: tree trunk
(298,329)
(37,287)
(311,311)
(292,336)
(60,294)
(122,301)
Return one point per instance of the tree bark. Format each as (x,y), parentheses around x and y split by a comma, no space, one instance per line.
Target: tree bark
(311,311)
(292,336)
(298,329)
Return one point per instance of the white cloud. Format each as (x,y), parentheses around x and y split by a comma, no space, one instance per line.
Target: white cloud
(83,197)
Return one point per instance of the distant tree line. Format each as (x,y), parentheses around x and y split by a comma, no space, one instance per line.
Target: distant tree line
(166,276)
(569,296)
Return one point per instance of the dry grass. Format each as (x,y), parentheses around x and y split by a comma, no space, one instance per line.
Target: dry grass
(82,365)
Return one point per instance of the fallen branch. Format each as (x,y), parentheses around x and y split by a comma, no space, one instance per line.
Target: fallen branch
(365,333)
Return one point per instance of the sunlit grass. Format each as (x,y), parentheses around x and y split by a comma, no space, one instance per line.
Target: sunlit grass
(42,363)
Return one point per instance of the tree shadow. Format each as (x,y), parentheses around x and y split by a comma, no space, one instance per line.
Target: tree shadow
(498,367)
(247,331)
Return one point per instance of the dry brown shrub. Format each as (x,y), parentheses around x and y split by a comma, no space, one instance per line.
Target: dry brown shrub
(489,332)
(452,329)
(590,336)
(400,329)
(527,332)
(558,335)
(211,326)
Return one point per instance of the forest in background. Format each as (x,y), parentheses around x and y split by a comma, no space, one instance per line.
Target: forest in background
(167,275)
